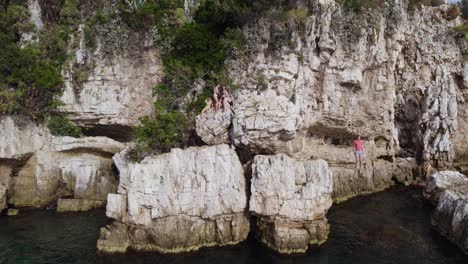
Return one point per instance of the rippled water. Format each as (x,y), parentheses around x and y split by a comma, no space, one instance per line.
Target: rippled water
(388,227)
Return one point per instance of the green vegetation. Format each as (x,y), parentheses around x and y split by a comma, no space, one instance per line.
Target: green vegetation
(360,5)
(462,31)
(193,52)
(30,75)
(59,125)
(464,6)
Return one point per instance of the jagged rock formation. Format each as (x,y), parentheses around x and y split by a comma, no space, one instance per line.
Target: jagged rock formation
(108,87)
(391,78)
(448,190)
(37,168)
(290,199)
(262,122)
(213,126)
(179,201)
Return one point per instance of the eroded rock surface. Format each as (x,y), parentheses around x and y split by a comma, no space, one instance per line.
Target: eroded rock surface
(179,201)
(36,168)
(262,122)
(213,127)
(448,190)
(290,199)
(393,78)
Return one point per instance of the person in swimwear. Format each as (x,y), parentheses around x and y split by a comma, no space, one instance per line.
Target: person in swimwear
(208,105)
(358,146)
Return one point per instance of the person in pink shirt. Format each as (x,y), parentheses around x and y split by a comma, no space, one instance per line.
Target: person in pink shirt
(358,145)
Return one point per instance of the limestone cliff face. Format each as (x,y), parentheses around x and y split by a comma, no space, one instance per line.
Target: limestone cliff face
(310,86)
(290,199)
(37,168)
(448,190)
(179,201)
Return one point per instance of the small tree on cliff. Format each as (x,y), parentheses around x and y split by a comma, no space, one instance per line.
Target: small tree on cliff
(465,9)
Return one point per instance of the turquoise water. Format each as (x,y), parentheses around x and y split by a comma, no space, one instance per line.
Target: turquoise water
(384,228)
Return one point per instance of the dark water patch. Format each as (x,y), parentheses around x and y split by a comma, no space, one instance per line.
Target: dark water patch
(384,228)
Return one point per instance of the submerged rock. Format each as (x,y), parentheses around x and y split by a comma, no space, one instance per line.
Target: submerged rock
(290,199)
(179,201)
(213,127)
(12,212)
(78,205)
(449,191)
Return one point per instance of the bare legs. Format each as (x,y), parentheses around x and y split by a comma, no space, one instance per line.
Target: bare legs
(358,158)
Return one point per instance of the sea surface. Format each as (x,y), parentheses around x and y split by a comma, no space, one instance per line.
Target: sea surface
(383,228)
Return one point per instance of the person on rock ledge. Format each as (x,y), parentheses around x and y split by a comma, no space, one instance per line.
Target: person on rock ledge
(208,105)
(358,146)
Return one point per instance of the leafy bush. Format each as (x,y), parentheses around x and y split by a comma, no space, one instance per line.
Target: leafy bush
(462,30)
(166,130)
(360,5)
(134,5)
(59,125)
(464,5)
(197,48)
(30,75)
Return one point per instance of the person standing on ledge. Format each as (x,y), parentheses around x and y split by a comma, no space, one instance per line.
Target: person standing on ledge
(358,145)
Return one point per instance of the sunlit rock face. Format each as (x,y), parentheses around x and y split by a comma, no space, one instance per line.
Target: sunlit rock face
(36,168)
(448,190)
(213,127)
(290,199)
(310,86)
(179,201)
(109,85)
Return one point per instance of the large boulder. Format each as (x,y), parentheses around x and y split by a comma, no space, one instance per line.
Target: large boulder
(80,168)
(449,191)
(213,127)
(290,199)
(263,122)
(179,201)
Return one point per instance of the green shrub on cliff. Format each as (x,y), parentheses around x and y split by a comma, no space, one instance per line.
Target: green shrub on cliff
(29,75)
(59,125)
(462,31)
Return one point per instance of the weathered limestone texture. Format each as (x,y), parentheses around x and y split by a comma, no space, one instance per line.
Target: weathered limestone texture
(213,127)
(78,205)
(448,190)
(262,122)
(290,199)
(36,168)
(309,87)
(3,197)
(108,87)
(179,201)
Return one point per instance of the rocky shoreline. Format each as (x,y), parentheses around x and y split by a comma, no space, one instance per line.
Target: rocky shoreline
(306,88)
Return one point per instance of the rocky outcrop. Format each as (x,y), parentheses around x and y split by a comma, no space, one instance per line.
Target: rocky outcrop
(213,127)
(78,205)
(290,199)
(3,197)
(179,201)
(262,122)
(109,84)
(448,190)
(310,85)
(37,168)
